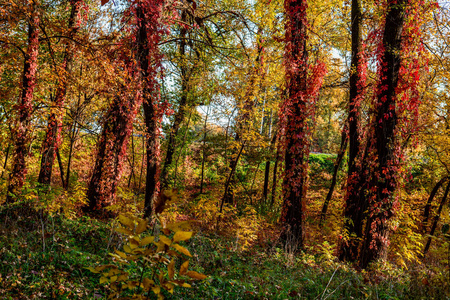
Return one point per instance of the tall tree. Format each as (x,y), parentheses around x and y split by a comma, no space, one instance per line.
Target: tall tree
(384,165)
(354,207)
(52,137)
(297,109)
(25,104)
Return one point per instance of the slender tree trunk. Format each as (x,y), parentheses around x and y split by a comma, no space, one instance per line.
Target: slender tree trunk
(147,37)
(337,164)
(69,158)
(52,137)
(353,211)
(203,151)
(24,108)
(61,168)
(426,213)
(181,148)
(179,116)
(275,178)
(382,181)
(132,161)
(297,145)
(267,166)
(230,176)
(436,219)
(6,160)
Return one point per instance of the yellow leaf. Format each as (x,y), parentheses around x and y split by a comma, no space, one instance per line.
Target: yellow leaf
(184,267)
(186,285)
(171,269)
(141,227)
(113,278)
(182,250)
(147,240)
(156,290)
(148,283)
(121,254)
(182,236)
(103,279)
(127,248)
(92,270)
(124,231)
(196,275)
(126,221)
(165,240)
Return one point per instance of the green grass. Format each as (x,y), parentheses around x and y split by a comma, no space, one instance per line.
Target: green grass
(51,264)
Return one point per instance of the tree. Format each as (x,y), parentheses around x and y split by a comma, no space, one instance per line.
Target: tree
(383,175)
(52,137)
(25,104)
(297,108)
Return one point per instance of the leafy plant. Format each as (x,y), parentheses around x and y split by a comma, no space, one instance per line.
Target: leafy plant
(147,264)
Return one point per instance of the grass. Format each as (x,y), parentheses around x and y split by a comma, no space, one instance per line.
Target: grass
(45,257)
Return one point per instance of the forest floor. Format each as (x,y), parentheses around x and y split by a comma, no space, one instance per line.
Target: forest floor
(46,257)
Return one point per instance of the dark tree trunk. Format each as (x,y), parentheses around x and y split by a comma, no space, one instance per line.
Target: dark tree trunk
(152,147)
(147,37)
(337,164)
(436,219)
(275,178)
(426,213)
(227,192)
(111,149)
(6,160)
(51,140)
(203,152)
(61,168)
(24,108)
(382,180)
(179,116)
(296,135)
(353,208)
(266,180)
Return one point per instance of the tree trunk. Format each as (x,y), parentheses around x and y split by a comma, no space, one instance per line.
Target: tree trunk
(382,181)
(52,137)
(147,37)
(203,151)
(6,160)
(296,135)
(274,177)
(436,219)
(426,213)
(111,149)
(24,108)
(353,208)
(179,116)
(337,164)
(61,168)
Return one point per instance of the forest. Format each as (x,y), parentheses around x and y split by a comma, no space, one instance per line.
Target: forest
(224,149)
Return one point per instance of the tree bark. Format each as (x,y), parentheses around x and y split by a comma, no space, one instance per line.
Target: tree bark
(353,212)
(111,150)
(426,213)
(147,37)
(296,135)
(436,219)
(52,137)
(179,116)
(382,181)
(337,164)
(6,159)
(24,107)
